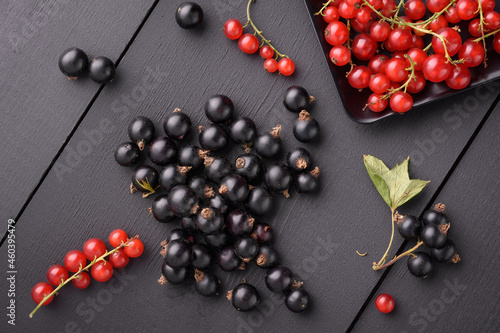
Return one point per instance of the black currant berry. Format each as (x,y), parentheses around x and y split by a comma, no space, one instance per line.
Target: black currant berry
(73,63)
(173,175)
(228,261)
(296,99)
(161,209)
(209,220)
(307,182)
(217,240)
(267,257)
(174,275)
(244,297)
(409,226)
(434,236)
(269,145)
(202,257)
(260,201)
(243,130)
(202,189)
(141,130)
(447,253)
(297,299)
(188,223)
(249,166)
(217,168)
(299,160)
(177,125)
(219,108)
(279,279)
(239,222)
(181,234)
(213,137)
(178,254)
(183,201)
(127,153)
(101,70)
(234,188)
(189,15)
(218,203)
(145,180)
(420,265)
(262,233)
(207,284)
(435,215)
(278,178)
(306,128)
(191,156)
(162,151)
(246,248)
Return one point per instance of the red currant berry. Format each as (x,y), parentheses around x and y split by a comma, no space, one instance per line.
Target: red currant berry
(359,77)
(398,55)
(474,28)
(286,66)
(102,271)
(118,259)
(377,63)
(380,31)
(116,237)
(347,11)
(487,5)
(388,8)
(472,52)
(466,9)
(56,274)
(134,248)
(417,41)
(364,47)
(233,29)
(248,43)
(340,55)
(74,260)
(400,39)
(266,52)
(377,4)
(492,20)
(384,303)
(438,23)
(435,6)
(415,9)
(271,65)
(40,290)
(94,248)
(436,68)
(395,69)
(331,14)
(451,15)
(418,57)
(404,26)
(81,281)
(361,27)
(336,33)
(417,83)
(496,43)
(363,15)
(418,32)
(453,41)
(376,103)
(459,78)
(379,83)
(401,102)
(388,46)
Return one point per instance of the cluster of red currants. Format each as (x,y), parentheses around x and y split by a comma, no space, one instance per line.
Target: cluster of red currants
(75,261)
(406,65)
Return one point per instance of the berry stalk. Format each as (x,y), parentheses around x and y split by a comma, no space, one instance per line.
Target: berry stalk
(325,5)
(377,267)
(481,27)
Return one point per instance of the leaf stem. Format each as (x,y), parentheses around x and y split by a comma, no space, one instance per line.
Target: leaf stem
(384,257)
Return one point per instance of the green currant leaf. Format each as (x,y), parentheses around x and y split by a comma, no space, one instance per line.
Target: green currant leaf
(395,185)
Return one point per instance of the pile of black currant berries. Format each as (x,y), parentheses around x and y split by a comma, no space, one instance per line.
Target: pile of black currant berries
(219,202)
(431,231)
(74,63)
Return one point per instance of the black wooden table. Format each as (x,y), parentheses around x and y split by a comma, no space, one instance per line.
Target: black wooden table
(60,197)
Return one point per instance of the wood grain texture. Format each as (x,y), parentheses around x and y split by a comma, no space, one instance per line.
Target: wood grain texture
(462,297)
(85,195)
(39,105)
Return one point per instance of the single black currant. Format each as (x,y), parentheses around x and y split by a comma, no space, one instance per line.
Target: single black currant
(127,153)
(447,253)
(243,130)
(73,63)
(297,99)
(180,234)
(141,130)
(191,156)
(189,15)
(269,145)
(246,248)
(219,108)
(145,180)
(307,182)
(213,137)
(177,125)
(209,220)
(101,70)
(234,188)
(260,201)
(162,151)
(434,236)
(297,299)
(279,279)
(249,166)
(239,222)
(202,257)
(218,203)
(299,160)
(228,261)
(267,257)
(188,223)
(201,187)
(217,240)
(244,297)
(183,201)
(217,168)
(435,215)
(409,226)
(178,254)
(278,178)
(173,175)
(262,233)
(207,284)
(306,128)
(161,209)
(174,275)
(420,264)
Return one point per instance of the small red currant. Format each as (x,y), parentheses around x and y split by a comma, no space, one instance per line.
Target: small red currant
(118,259)
(134,248)
(384,303)
(248,43)
(102,271)
(94,248)
(271,65)
(81,281)
(74,260)
(117,237)
(40,290)
(266,52)
(286,66)
(56,274)
(233,29)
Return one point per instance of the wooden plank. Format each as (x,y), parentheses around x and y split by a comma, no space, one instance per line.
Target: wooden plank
(40,106)
(462,297)
(317,235)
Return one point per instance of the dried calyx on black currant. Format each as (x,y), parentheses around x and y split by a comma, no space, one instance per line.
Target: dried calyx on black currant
(189,15)
(268,145)
(141,130)
(306,129)
(73,63)
(297,99)
(244,297)
(127,153)
(299,160)
(177,125)
(145,180)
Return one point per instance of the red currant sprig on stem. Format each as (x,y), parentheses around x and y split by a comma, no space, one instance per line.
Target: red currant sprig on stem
(325,5)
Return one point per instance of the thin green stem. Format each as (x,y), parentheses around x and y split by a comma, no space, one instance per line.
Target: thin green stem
(326,4)
(384,257)
(404,254)
(487,35)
